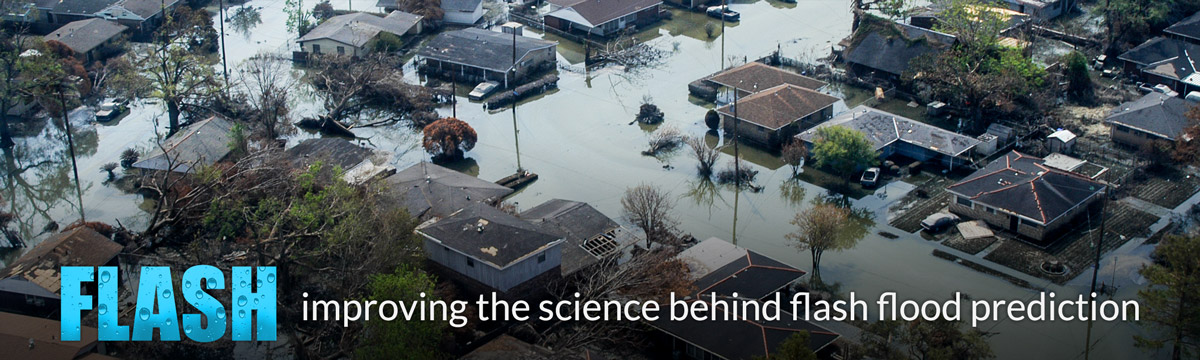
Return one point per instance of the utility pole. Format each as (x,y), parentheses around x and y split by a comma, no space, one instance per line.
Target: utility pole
(62,103)
(516,138)
(724,7)
(224,64)
(737,163)
(1087,350)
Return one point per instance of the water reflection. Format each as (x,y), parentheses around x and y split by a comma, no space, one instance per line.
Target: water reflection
(243,19)
(703,192)
(792,191)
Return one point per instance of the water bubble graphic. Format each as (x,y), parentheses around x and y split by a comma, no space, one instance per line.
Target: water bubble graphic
(199,294)
(242,300)
(255,301)
(102,309)
(187,284)
(243,283)
(241,313)
(271,278)
(221,314)
(258,285)
(144,314)
(166,294)
(168,321)
(187,329)
(104,276)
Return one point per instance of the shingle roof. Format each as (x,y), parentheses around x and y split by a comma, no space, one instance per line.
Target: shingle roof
(330,151)
(1170,58)
(357,29)
(460,5)
(723,268)
(779,106)
(744,338)
(578,223)
(883,129)
(891,51)
(490,235)
(78,7)
(81,246)
(1188,27)
(593,13)
(27,337)
(1155,113)
(480,48)
(85,35)
(1021,184)
(428,190)
(203,143)
(745,78)
(145,8)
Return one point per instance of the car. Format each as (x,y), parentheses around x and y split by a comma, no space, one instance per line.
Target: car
(723,11)
(110,110)
(938,222)
(483,90)
(1163,88)
(870,178)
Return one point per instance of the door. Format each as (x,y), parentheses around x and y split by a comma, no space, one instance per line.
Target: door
(1012,223)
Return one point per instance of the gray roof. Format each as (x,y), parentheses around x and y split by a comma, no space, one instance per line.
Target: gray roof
(1188,27)
(481,48)
(492,236)
(330,151)
(593,13)
(427,190)
(77,7)
(883,129)
(145,8)
(717,266)
(579,223)
(21,285)
(1156,113)
(461,5)
(85,35)
(891,50)
(356,29)
(1023,185)
(1170,58)
(201,144)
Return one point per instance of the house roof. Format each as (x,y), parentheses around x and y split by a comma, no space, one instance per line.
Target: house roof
(779,106)
(356,29)
(27,337)
(593,13)
(329,151)
(890,47)
(21,285)
(1023,185)
(483,232)
(1170,58)
(589,233)
(1062,135)
(743,338)
(1188,27)
(427,190)
(507,347)
(1155,113)
(883,129)
(460,5)
(746,77)
(84,35)
(719,267)
(145,9)
(77,7)
(203,143)
(80,246)
(481,48)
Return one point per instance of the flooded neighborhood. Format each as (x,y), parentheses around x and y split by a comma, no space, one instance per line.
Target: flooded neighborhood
(603,150)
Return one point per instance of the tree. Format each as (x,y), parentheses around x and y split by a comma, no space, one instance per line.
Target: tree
(843,150)
(924,340)
(649,113)
(429,9)
(794,154)
(893,9)
(663,139)
(349,86)
(1129,21)
(705,156)
(415,339)
(1078,78)
(819,229)
(323,11)
(976,30)
(266,84)
(172,72)
(449,138)
(712,119)
(1186,151)
(299,19)
(18,73)
(795,347)
(649,208)
(1172,310)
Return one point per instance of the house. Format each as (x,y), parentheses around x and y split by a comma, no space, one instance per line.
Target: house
(27,337)
(772,116)
(143,16)
(1061,141)
(1019,193)
(350,34)
(358,164)
(886,49)
(601,17)
(480,55)
(897,135)
(1187,29)
(198,145)
(724,269)
(1164,61)
(481,245)
(92,39)
(429,191)
(590,235)
(754,77)
(30,284)
(462,12)
(65,11)
(1042,10)
(1154,116)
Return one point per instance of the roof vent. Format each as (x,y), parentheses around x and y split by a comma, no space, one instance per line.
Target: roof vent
(480,225)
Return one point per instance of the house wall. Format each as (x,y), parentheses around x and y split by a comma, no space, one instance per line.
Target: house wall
(641,18)
(1130,137)
(1003,220)
(533,63)
(775,138)
(464,17)
(500,279)
(328,46)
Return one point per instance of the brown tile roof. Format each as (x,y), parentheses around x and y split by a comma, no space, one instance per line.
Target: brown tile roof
(81,246)
(745,78)
(779,106)
(84,35)
(27,337)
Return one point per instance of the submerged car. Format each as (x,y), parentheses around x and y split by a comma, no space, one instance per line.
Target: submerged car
(938,222)
(109,110)
(483,90)
(723,11)
(870,178)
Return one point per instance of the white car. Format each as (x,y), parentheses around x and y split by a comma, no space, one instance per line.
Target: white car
(483,90)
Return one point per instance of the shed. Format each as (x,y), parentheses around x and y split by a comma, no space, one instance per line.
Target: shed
(1061,141)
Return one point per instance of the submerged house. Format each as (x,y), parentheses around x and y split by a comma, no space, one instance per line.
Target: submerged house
(480,55)
(590,235)
(1019,193)
(28,337)
(462,12)
(429,191)
(601,17)
(1154,116)
(91,39)
(886,49)
(198,145)
(481,245)
(754,77)
(773,116)
(30,285)
(358,164)
(143,16)
(1165,61)
(350,34)
(897,135)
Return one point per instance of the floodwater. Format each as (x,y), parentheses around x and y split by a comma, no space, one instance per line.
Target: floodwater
(580,141)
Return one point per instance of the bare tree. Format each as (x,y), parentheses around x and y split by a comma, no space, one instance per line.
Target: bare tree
(705,156)
(349,86)
(265,82)
(819,229)
(649,208)
(664,139)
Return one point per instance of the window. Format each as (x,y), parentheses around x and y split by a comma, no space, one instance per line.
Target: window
(542,257)
(470,262)
(990,210)
(341,50)
(965,201)
(317,48)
